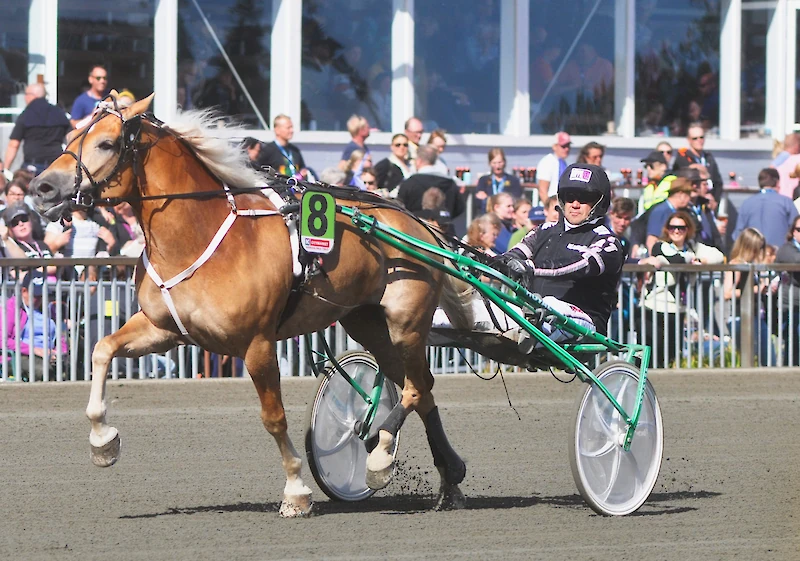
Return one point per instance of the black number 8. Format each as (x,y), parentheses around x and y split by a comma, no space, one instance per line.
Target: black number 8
(317,221)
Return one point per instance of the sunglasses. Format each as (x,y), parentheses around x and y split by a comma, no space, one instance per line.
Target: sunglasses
(666,151)
(399,145)
(368,182)
(16,221)
(677,227)
(697,138)
(582,197)
(797,229)
(565,145)
(100,77)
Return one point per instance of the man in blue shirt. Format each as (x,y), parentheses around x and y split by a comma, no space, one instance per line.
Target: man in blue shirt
(768,211)
(85,103)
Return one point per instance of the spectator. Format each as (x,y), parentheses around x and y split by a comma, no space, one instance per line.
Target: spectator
(19,237)
(664,302)
(619,219)
(665,148)
(502,206)
(524,220)
(353,167)
(551,209)
(591,153)
(84,104)
(680,194)
(769,212)
(553,165)
(791,147)
(749,248)
(253,148)
(124,226)
(16,191)
(413,132)
(438,139)
(434,210)
(358,127)
(496,181)
(702,207)
(281,155)
(482,233)
(788,172)
(658,180)
(32,327)
(411,190)
(697,157)
(125,98)
(790,295)
(394,169)
(370,181)
(332,176)
(40,128)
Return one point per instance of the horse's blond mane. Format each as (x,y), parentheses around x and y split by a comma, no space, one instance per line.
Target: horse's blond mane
(227,162)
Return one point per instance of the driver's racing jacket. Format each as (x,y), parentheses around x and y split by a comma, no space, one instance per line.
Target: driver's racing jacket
(581,265)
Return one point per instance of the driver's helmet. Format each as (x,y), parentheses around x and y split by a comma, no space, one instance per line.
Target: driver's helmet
(590,180)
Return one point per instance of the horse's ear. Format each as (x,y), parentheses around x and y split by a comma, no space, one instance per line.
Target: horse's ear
(114,94)
(139,107)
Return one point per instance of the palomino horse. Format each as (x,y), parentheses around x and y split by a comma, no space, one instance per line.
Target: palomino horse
(229,290)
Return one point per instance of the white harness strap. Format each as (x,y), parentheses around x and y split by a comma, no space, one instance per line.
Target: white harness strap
(164,286)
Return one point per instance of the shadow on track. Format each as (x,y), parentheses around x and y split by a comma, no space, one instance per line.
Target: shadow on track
(411,504)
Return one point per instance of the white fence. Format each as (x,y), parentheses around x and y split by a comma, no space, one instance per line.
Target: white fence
(702,333)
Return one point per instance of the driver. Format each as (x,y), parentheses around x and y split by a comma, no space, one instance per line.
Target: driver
(576,262)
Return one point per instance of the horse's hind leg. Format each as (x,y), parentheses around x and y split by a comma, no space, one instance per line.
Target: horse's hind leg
(399,348)
(137,337)
(262,363)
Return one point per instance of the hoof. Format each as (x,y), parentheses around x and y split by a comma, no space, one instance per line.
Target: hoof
(296,506)
(380,465)
(377,480)
(450,498)
(107,454)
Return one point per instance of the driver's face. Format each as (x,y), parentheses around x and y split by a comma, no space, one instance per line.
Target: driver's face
(576,212)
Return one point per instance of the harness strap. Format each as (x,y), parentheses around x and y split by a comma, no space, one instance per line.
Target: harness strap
(164,286)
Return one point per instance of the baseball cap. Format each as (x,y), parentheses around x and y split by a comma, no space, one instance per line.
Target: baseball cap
(561,138)
(15,209)
(654,156)
(680,185)
(34,282)
(536,214)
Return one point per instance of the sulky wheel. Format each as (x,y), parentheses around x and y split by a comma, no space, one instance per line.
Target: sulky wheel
(611,480)
(336,455)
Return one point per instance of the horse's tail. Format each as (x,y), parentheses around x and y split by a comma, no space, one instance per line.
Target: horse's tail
(456,301)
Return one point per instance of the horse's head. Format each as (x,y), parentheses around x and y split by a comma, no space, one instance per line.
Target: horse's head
(97,162)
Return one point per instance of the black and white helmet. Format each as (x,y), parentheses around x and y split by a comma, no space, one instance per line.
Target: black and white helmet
(591,180)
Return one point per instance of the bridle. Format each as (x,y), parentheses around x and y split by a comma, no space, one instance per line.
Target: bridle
(85,197)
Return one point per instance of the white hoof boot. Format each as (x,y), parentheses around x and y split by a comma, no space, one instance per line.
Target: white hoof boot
(380,463)
(296,506)
(106,454)
(450,498)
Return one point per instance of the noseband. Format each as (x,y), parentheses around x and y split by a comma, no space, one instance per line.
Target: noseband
(85,197)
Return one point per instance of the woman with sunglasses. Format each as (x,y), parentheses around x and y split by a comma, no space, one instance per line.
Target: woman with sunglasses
(664,300)
(394,169)
(790,293)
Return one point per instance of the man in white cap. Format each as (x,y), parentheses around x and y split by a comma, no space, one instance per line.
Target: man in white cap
(552,166)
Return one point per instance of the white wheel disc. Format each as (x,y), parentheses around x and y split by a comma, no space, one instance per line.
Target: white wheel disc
(611,480)
(336,455)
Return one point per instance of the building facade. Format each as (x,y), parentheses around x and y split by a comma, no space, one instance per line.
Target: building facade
(510,73)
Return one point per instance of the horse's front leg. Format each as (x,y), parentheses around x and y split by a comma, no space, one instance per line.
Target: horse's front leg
(262,363)
(136,338)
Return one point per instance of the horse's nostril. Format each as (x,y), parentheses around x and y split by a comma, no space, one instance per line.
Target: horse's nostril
(45,188)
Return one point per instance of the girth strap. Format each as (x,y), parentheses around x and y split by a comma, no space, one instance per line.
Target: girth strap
(165,286)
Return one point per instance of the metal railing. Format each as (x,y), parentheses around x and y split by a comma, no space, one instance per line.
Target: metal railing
(89,299)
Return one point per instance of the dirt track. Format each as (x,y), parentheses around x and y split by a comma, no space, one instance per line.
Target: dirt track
(200,478)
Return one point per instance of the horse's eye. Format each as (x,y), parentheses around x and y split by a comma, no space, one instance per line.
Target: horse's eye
(107,145)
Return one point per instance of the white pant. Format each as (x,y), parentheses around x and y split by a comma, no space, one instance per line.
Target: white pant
(566,309)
